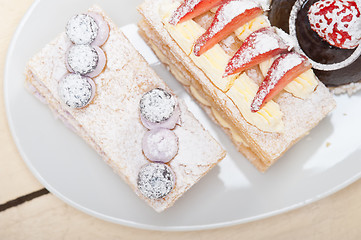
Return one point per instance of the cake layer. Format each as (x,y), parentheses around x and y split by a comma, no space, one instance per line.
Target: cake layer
(299,115)
(111,123)
(197,93)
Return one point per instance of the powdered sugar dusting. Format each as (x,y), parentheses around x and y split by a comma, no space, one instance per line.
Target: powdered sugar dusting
(287,39)
(279,68)
(258,43)
(82,29)
(285,64)
(224,16)
(300,116)
(186,7)
(228,11)
(155,180)
(160,145)
(75,90)
(170,123)
(82,59)
(111,123)
(157,105)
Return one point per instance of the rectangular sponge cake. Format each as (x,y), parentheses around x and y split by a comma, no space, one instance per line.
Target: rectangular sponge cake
(262,148)
(111,123)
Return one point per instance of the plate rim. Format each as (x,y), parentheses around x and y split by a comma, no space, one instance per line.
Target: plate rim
(124,222)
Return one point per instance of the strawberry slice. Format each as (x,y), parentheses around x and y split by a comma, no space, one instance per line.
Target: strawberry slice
(192,8)
(230,16)
(259,46)
(284,69)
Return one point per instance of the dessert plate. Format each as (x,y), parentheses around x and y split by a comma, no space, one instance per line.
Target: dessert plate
(325,161)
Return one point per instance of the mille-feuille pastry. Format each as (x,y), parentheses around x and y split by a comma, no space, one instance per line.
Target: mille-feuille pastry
(329,33)
(243,71)
(100,86)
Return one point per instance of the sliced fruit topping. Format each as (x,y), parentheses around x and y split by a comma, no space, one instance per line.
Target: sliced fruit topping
(337,21)
(82,59)
(302,86)
(268,119)
(284,69)
(212,63)
(230,16)
(258,47)
(192,8)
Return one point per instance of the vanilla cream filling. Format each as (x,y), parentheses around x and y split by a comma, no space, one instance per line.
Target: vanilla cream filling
(221,121)
(213,62)
(241,90)
(235,135)
(268,118)
(255,24)
(301,87)
(177,74)
(197,95)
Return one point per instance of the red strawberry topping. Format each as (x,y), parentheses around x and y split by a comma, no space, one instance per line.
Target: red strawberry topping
(192,8)
(284,69)
(230,16)
(258,47)
(337,21)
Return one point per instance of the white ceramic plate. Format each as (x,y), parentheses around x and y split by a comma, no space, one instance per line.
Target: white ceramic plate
(234,192)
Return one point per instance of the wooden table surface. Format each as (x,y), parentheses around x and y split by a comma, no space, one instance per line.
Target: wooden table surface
(28,211)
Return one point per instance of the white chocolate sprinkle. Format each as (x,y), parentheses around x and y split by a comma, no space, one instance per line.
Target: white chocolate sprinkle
(76,91)
(82,29)
(82,59)
(155,180)
(157,105)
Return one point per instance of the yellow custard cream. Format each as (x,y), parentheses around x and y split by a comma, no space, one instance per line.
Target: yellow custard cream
(174,71)
(239,88)
(255,24)
(197,95)
(212,63)
(235,135)
(301,87)
(242,93)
